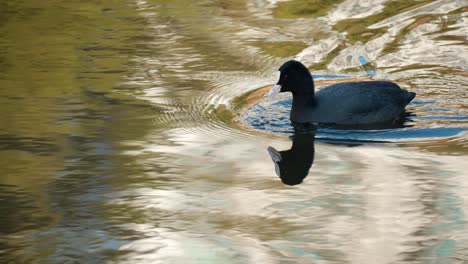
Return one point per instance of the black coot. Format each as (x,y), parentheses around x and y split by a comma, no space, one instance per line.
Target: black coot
(351,103)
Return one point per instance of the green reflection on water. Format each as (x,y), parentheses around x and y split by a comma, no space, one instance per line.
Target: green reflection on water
(303,8)
(330,56)
(445,22)
(358,28)
(281,49)
(62,121)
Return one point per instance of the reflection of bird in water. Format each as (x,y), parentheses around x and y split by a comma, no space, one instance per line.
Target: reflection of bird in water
(293,165)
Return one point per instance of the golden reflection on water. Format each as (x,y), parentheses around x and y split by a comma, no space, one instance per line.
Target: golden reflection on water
(119,142)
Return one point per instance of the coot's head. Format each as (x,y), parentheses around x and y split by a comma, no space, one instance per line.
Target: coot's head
(292,77)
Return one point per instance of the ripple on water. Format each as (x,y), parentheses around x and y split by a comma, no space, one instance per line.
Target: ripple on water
(429,120)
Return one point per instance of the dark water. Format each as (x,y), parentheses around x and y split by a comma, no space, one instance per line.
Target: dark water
(120,141)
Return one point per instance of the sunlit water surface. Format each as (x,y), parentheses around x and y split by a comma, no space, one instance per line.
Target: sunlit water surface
(121,140)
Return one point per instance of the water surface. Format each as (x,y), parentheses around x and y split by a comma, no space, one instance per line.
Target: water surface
(120,140)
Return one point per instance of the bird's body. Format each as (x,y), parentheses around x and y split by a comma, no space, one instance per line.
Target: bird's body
(350,103)
(353,103)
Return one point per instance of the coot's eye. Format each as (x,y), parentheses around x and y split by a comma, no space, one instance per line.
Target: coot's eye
(285,77)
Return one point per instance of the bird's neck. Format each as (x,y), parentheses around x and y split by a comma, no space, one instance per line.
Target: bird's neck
(303,102)
(304,95)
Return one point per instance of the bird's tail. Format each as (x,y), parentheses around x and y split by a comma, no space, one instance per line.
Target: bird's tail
(410,97)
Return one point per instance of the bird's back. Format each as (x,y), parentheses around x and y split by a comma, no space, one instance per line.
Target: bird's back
(359,103)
